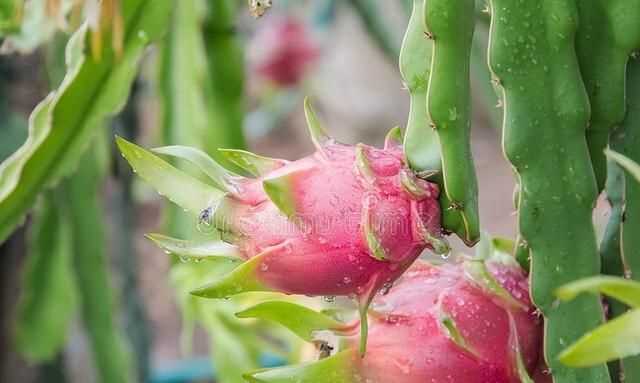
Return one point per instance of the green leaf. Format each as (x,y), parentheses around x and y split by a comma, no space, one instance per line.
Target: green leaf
(302,321)
(62,126)
(48,298)
(178,186)
(242,279)
(196,250)
(279,190)
(616,339)
(624,290)
(629,165)
(221,177)
(338,368)
(230,354)
(253,164)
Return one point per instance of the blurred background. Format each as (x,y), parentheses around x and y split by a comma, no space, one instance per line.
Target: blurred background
(84,297)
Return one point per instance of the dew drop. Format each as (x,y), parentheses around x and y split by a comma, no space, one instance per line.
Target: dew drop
(346,280)
(183,259)
(329,298)
(142,35)
(386,287)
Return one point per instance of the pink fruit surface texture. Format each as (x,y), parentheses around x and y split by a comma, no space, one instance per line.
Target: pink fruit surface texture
(469,321)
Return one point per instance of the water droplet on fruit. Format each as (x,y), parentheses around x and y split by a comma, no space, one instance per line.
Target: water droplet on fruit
(386,287)
(264,267)
(346,280)
(183,259)
(446,255)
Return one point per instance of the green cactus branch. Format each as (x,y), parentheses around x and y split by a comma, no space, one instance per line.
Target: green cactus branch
(421,143)
(546,110)
(450,24)
(631,221)
(610,247)
(608,32)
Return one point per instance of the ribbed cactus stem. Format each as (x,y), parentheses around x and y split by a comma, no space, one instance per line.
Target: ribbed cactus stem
(421,142)
(631,221)
(450,24)
(546,110)
(608,32)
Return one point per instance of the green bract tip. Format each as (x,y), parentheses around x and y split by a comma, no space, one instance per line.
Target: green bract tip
(179,187)
(318,135)
(253,164)
(242,279)
(222,178)
(393,138)
(194,250)
(279,190)
(362,164)
(302,321)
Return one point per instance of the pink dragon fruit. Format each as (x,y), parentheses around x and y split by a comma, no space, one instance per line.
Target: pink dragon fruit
(346,220)
(468,322)
(284,51)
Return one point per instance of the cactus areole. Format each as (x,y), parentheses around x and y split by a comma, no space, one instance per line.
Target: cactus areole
(468,322)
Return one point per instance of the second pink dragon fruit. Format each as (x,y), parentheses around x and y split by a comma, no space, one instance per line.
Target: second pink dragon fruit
(468,322)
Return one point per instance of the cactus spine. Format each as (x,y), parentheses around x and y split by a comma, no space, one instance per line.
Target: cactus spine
(546,109)
(608,32)
(450,25)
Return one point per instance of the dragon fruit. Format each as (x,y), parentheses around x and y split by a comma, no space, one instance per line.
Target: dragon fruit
(284,51)
(468,322)
(347,220)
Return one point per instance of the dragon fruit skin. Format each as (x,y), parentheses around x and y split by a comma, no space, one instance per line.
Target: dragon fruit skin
(440,324)
(321,248)
(409,343)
